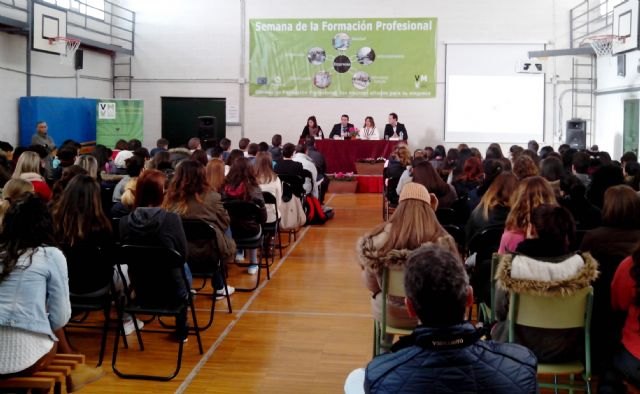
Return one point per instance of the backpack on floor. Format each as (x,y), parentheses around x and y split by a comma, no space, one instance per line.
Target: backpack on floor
(315,213)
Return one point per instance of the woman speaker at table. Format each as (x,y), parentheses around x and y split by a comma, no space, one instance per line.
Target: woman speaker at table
(312,129)
(369,131)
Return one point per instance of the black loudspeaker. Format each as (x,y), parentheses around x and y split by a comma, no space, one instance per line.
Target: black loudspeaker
(79,59)
(577,133)
(207,126)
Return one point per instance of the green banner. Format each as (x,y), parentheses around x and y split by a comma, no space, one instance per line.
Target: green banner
(359,58)
(118,119)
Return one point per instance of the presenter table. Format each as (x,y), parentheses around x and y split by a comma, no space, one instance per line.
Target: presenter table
(341,155)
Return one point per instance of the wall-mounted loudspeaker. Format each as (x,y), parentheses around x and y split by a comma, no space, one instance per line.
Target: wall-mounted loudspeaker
(79,59)
(577,133)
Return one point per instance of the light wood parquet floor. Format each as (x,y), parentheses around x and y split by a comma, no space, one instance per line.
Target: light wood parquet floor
(301,332)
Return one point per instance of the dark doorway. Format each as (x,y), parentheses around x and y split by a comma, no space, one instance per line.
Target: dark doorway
(180,118)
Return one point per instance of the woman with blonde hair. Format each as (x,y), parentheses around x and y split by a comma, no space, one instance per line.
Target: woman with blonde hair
(13,190)
(89,163)
(215,174)
(412,225)
(268,182)
(28,168)
(531,193)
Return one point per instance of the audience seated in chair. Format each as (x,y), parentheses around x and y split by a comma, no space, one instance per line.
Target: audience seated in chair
(242,184)
(413,224)
(424,174)
(494,206)
(445,353)
(149,224)
(34,277)
(543,264)
(268,182)
(530,193)
(190,196)
(29,167)
(286,165)
(624,299)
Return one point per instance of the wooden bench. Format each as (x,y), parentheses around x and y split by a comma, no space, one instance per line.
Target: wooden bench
(52,379)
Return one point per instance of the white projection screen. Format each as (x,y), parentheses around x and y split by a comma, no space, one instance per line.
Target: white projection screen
(487,100)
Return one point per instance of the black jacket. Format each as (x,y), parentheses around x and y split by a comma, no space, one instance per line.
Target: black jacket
(388,131)
(154,227)
(288,167)
(337,129)
(419,365)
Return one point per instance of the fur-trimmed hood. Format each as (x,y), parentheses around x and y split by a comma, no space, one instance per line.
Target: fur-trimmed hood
(368,250)
(521,274)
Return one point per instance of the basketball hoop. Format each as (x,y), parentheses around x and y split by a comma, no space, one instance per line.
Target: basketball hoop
(66,46)
(603,45)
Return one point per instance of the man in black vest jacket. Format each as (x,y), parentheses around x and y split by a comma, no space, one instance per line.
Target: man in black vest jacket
(394,129)
(445,354)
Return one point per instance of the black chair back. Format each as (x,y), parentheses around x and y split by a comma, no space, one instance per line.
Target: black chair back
(247,218)
(90,269)
(157,276)
(292,185)
(484,244)
(270,199)
(203,257)
(458,235)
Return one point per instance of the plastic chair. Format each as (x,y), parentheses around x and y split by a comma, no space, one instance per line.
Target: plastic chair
(154,291)
(392,285)
(487,312)
(202,234)
(557,312)
(248,211)
(273,229)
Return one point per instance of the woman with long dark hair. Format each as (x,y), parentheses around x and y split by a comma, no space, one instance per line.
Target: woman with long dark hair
(426,175)
(241,184)
(190,196)
(312,129)
(34,285)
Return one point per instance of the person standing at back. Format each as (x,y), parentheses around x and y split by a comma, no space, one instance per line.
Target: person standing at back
(42,137)
(395,129)
(445,354)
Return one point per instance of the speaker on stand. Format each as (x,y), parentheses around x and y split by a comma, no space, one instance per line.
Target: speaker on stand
(207,127)
(576,134)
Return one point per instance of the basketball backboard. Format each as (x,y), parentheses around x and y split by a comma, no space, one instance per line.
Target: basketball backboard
(48,22)
(625,26)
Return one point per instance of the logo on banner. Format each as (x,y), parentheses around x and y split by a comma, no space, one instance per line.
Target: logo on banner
(106,110)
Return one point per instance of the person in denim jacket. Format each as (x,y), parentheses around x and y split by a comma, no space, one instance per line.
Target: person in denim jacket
(33,288)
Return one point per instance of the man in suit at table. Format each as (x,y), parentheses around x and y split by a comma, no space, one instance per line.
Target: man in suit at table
(394,129)
(339,129)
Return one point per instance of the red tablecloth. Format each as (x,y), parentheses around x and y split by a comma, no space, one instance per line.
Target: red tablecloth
(342,155)
(370,184)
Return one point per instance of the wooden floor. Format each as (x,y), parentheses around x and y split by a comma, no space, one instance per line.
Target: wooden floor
(301,332)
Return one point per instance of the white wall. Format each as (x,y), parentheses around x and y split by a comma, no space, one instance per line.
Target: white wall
(610,102)
(49,78)
(207,62)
